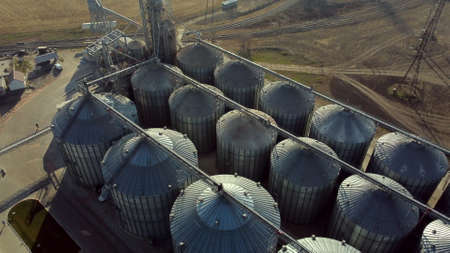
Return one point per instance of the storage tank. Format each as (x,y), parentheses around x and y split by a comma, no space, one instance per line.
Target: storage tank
(239,82)
(417,167)
(369,218)
(168,41)
(136,49)
(203,220)
(152,85)
(300,180)
(145,180)
(199,62)
(244,144)
(289,104)
(320,245)
(444,203)
(346,132)
(85,130)
(435,238)
(195,113)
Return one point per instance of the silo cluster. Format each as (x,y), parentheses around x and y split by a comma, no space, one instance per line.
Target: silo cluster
(289,104)
(202,220)
(346,132)
(372,219)
(85,130)
(152,85)
(199,62)
(435,238)
(417,167)
(301,181)
(239,82)
(144,180)
(195,113)
(244,144)
(320,245)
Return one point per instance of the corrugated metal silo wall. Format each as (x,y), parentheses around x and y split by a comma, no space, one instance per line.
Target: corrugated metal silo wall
(145,216)
(295,124)
(203,75)
(153,107)
(435,238)
(83,162)
(299,205)
(245,96)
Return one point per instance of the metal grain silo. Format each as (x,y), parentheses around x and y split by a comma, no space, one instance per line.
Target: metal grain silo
(239,82)
(195,113)
(85,130)
(136,49)
(203,220)
(320,245)
(289,104)
(419,168)
(199,62)
(347,133)
(369,218)
(144,180)
(444,203)
(244,144)
(435,238)
(301,181)
(152,85)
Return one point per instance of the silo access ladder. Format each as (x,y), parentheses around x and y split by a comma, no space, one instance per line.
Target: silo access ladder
(108,39)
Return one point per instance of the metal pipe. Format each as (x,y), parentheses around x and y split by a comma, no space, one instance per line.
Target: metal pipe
(283,235)
(348,168)
(282,77)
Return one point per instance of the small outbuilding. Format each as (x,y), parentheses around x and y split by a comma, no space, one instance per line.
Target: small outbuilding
(18,81)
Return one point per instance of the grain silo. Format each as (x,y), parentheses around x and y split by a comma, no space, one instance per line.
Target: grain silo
(199,62)
(417,167)
(85,130)
(346,132)
(289,104)
(435,238)
(122,86)
(136,49)
(444,203)
(195,113)
(372,219)
(300,180)
(152,85)
(244,144)
(203,220)
(239,82)
(168,41)
(320,245)
(144,180)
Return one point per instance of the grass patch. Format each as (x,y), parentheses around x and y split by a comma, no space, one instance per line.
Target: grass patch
(305,78)
(272,55)
(38,229)
(64,34)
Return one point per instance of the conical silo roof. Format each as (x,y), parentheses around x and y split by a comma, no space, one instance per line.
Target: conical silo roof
(153,77)
(435,238)
(83,121)
(199,56)
(237,75)
(320,245)
(204,221)
(286,98)
(417,167)
(190,101)
(303,166)
(137,167)
(342,125)
(374,209)
(242,130)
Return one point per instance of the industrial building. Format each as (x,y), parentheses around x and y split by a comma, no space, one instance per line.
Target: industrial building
(143,149)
